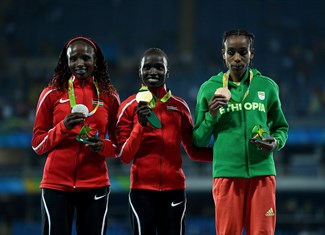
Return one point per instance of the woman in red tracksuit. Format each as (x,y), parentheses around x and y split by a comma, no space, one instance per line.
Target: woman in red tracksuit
(75,176)
(157,196)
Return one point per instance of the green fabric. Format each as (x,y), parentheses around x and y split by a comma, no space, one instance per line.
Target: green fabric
(234,155)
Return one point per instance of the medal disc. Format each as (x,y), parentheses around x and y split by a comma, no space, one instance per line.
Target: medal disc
(145,96)
(80,108)
(224,91)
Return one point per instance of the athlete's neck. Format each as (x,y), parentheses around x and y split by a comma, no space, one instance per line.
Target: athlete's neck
(237,77)
(159,92)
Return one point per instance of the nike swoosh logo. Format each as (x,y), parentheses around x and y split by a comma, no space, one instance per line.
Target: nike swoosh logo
(64,101)
(176,204)
(97,198)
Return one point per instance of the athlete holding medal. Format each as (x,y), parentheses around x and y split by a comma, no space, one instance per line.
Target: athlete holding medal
(241,109)
(75,113)
(151,127)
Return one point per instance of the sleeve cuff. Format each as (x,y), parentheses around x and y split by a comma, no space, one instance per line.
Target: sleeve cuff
(109,149)
(63,128)
(210,119)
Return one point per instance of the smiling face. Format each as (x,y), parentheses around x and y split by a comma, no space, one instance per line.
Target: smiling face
(81,59)
(153,70)
(237,54)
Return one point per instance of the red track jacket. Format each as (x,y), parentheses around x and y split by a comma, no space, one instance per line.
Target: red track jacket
(70,165)
(156,153)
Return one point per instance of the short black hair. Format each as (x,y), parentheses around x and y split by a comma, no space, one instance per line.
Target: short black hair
(238,32)
(155,50)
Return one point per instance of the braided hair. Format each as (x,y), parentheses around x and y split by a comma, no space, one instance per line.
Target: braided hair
(240,32)
(62,72)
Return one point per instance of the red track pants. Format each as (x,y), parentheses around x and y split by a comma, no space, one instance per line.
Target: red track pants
(245,203)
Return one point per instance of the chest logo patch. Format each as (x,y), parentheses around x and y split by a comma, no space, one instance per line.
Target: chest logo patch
(261,95)
(172,108)
(99,102)
(63,100)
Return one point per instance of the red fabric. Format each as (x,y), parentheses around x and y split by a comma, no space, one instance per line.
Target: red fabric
(248,202)
(156,153)
(70,165)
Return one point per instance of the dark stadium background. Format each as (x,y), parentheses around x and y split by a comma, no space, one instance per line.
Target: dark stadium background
(290,48)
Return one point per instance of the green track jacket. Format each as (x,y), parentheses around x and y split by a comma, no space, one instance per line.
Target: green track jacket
(233,154)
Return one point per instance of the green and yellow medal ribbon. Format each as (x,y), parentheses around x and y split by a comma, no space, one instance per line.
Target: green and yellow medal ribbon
(86,131)
(225,82)
(152,103)
(72,96)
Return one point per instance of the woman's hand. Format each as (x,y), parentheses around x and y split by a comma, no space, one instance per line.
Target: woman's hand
(143,111)
(266,144)
(96,145)
(73,119)
(216,102)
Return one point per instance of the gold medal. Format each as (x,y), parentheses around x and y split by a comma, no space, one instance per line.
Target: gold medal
(145,96)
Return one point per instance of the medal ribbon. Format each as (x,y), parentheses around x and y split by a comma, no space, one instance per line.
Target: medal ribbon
(225,81)
(72,96)
(152,103)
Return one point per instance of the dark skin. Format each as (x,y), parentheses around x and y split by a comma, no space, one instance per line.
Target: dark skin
(237,54)
(153,72)
(82,60)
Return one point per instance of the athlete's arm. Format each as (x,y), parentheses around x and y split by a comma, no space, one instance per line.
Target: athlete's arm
(45,135)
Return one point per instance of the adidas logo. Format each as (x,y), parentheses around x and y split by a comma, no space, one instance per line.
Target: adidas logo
(270,212)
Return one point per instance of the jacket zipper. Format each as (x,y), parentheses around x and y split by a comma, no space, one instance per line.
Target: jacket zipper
(76,167)
(161,155)
(245,138)
(79,144)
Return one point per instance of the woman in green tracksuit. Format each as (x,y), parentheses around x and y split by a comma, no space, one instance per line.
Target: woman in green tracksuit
(246,129)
